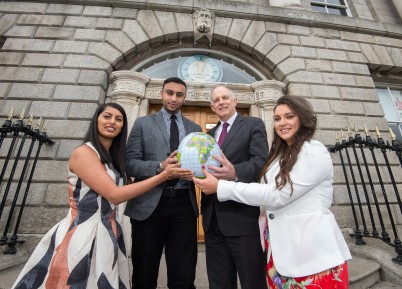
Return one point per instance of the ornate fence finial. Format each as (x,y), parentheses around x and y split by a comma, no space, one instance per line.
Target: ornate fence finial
(393,136)
(342,135)
(356,129)
(30,119)
(44,129)
(349,132)
(366,131)
(10,114)
(39,123)
(377,132)
(22,114)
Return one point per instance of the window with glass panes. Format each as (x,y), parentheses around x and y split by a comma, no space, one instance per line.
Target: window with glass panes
(391,101)
(337,7)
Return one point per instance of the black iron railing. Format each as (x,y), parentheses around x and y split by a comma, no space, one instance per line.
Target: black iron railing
(15,130)
(357,154)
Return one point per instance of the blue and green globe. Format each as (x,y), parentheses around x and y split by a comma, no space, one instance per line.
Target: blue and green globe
(196,150)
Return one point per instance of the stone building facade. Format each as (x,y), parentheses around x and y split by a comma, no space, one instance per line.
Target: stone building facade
(61,59)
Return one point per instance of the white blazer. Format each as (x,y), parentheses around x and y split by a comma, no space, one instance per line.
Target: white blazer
(304,236)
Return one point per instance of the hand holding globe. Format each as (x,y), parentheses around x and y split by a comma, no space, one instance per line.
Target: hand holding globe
(196,150)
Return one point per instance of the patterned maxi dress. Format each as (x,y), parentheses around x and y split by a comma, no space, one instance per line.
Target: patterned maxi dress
(84,250)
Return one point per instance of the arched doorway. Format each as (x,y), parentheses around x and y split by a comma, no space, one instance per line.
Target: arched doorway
(138,89)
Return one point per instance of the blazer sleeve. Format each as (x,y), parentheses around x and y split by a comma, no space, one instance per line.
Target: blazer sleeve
(312,167)
(136,164)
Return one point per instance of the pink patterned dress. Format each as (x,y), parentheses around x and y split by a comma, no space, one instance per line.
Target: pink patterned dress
(84,250)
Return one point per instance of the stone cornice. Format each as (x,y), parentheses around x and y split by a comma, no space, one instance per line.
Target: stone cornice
(200,92)
(253,12)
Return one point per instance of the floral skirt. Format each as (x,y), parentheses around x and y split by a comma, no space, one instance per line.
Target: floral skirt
(334,278)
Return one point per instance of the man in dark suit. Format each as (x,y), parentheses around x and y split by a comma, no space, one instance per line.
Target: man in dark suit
(166,215)
(232,237)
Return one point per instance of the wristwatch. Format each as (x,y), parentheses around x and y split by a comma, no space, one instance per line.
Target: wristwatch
(159,168)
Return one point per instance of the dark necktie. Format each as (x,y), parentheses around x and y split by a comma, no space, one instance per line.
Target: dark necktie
(174,143)
(174,133)
(223,133)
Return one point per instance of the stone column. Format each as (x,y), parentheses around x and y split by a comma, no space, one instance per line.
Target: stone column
(295,4)
(266,93)
(128,90)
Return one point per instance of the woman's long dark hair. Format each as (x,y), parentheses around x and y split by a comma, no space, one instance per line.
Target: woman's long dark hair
(279,148)
(117,151)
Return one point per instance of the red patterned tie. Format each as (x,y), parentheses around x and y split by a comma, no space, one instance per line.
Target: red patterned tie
(223,133)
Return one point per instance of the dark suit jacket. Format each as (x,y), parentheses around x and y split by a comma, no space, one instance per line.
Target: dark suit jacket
(246,147)
(148,145)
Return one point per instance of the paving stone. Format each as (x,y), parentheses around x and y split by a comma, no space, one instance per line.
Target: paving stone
(80,22)
(42,20)
(65,9)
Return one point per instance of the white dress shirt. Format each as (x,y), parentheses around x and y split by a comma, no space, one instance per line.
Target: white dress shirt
(230,121)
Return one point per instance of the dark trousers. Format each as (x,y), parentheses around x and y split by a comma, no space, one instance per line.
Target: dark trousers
(173,224)
(228,256)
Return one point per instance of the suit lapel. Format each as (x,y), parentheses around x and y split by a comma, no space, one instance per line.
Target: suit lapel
(237,124)
(186,123)
(161,125)
(212,131)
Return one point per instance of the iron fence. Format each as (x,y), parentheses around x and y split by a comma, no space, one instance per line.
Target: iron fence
(357,154)
(18,130)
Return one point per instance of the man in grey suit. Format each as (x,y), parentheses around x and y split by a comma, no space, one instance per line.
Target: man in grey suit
(232,237)
(165,216)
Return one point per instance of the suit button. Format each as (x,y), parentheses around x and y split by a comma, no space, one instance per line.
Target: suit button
(271,216)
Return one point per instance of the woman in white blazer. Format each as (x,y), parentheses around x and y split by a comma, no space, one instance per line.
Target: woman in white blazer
(306,248)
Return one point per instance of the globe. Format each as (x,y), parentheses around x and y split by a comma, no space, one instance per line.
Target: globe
(196,150)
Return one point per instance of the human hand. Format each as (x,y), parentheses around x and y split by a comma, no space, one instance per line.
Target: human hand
(226,171)
(171,159)
(209,185)
(174,171)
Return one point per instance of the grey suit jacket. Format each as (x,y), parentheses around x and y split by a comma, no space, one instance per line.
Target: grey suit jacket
(246,147)
(147,146)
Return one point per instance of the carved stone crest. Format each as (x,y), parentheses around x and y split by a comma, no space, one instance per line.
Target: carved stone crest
(203,24)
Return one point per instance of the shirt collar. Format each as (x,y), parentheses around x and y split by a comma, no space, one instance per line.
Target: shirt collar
(231,120)
(167,115)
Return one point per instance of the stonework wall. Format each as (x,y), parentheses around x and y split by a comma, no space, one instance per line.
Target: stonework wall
(56,60)
(384,11)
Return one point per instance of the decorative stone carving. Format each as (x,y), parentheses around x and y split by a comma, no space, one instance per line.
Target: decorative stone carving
(153,93)
(128,83)
(199,95)
(203,24)
(128,89)
(200,92)
(266,93)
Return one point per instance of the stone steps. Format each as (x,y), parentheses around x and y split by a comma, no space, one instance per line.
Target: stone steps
(364,273)
(385,285)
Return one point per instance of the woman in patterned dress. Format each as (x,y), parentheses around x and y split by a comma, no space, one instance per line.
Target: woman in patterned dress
(86,249)
(305,247)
